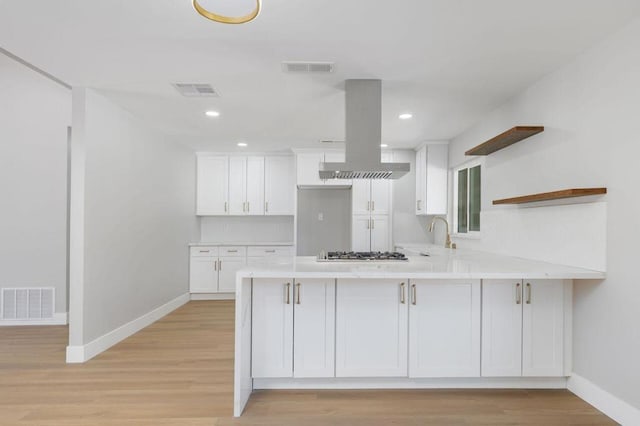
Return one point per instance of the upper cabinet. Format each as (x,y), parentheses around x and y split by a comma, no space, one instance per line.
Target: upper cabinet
(278,185)
(212,194)
(244,185)
(308,168)
(431,179)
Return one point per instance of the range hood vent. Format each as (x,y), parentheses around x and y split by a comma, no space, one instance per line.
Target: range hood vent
(363,137)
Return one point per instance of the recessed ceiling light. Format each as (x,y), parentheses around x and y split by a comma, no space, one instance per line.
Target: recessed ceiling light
(383,145)
(405,116)
(212,114)
(242,144)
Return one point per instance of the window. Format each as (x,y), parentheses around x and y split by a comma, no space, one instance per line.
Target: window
(467,200)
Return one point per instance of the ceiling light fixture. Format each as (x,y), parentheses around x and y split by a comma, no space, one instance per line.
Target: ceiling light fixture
(212,114)
(405,116)
(383,145)
(197,5)
(242,144)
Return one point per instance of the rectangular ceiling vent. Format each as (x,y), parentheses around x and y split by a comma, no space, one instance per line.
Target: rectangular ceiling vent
(307,67)
(196,90)
(27,303)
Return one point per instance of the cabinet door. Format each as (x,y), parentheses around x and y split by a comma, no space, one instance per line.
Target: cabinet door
(255,185)
(272,328)
(501,328)
(444,328)
(436,178)
(203,274)
(380,233)
(371,329)
(308,168)
(314,328)
(421,178)
(279,186)
(237,185)
(361,197)
(543,328)
(227,268)
(212,185)
(361,233)
(380,196)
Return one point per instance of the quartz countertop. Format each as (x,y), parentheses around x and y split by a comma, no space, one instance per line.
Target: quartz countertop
(226,243)
(442,263)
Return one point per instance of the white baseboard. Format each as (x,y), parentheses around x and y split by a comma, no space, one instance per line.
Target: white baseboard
(78,354)
(59,318)
(611,405)
(213,296)
(406,383)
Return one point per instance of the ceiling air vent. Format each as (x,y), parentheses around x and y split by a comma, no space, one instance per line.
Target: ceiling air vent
(196,90)
(307,67)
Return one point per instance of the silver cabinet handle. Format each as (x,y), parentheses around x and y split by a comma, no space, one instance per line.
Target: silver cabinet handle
(270,251)
(288,292)
(297,293)
(528,294)
(266,207)
(373,223)
(215,265)
(414,295)
(418,204)
(402,300)
(204,251)
(373,206)
(219,265)
(518,294)
(244,207)
(226,209)
(232,251)
(368,205)
(248,206)
(368,223)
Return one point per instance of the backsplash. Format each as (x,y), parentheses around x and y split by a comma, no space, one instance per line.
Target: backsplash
(246,229)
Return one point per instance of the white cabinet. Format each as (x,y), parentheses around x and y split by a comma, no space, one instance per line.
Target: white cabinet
(431,179)
(284,347)
(523,328)
(246,185)
(212,185)
(371,196)
(336,157)
(444,328)
(370,233)
(371,329)
(213,269)
(278,185)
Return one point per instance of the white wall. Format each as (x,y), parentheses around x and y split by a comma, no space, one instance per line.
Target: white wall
(34,115)
(139,215)
(590,112)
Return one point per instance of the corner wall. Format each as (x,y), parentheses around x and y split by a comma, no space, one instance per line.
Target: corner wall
(134,219)
(590,112)
(34,115)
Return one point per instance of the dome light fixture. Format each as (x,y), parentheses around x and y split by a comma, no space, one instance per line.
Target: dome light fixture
(227,19)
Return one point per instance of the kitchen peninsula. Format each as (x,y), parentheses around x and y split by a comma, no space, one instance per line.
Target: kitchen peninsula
(454,319)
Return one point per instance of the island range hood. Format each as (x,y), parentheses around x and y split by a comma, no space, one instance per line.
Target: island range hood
(363,136)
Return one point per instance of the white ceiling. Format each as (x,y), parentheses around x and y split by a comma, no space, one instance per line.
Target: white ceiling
(446,61)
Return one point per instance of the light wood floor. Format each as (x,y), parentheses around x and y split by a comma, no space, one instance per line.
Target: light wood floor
(179,371)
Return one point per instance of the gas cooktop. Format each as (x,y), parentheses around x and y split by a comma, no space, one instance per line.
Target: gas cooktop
(364,256)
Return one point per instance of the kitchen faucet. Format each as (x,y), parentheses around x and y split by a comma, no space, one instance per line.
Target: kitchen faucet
(447,243)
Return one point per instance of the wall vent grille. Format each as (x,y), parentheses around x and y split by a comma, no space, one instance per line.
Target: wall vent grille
(27,303)
(307,67)
(196,90)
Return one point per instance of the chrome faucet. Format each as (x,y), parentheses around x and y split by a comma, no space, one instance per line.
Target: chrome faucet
(447,243)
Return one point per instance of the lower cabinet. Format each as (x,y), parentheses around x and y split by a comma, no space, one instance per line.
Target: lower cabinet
(293,328)
(371,328)
(523,328)
(444,328)
(227,268)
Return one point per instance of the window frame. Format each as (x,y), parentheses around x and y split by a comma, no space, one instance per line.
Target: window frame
(466,165)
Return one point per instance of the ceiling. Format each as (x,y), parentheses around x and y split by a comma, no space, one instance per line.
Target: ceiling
(446,61)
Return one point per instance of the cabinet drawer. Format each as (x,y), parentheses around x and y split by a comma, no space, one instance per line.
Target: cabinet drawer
(270,251)
(233,251)
(204,251)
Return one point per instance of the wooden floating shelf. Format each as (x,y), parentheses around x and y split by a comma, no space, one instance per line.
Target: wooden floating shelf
(503,140)
(555,195)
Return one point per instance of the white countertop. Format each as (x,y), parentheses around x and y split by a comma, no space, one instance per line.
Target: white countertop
(443,263)
(225,243)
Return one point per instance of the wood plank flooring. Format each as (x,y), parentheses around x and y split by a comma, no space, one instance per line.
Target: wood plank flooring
(179,371)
